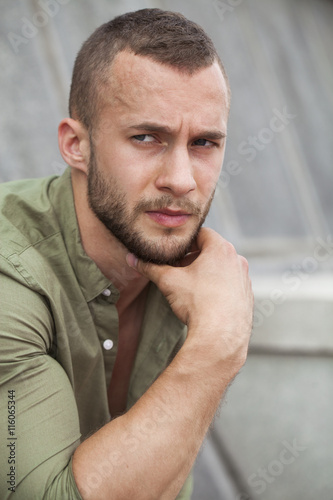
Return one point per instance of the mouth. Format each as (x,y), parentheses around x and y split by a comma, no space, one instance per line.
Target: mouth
(169,218)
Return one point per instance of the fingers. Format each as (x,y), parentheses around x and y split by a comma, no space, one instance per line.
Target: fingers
(188,259)
(210,240)
(147,269)
(205,236)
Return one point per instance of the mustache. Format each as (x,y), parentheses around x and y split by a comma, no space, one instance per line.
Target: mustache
(167,201)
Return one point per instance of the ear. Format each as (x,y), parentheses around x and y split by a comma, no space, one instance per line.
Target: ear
(73,140)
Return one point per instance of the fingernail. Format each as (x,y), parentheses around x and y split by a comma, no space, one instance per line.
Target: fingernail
(131,260)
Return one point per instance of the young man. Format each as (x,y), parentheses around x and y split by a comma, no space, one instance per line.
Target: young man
(106,267)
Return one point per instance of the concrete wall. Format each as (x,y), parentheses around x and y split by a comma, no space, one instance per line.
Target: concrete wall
(273,437)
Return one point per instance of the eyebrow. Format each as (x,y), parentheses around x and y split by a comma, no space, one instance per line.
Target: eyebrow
(155,127)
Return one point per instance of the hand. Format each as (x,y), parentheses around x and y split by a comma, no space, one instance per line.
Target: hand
(212,295)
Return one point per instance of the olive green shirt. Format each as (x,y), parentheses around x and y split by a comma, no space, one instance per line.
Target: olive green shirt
(58,342)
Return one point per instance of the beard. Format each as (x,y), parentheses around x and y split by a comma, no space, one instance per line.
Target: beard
(108,202)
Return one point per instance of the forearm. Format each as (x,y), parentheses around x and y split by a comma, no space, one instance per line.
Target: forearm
(149,451)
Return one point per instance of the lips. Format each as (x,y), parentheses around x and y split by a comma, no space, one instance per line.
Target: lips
(169,218)
(170,211)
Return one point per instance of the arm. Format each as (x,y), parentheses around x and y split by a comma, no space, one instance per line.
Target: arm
(44,421)
(149,451)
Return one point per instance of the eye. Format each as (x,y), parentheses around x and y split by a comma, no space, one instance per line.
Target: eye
(144,138)
(203,142)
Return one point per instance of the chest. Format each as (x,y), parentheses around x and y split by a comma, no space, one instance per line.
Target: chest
(129,337)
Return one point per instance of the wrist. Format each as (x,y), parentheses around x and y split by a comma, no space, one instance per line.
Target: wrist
(218,353)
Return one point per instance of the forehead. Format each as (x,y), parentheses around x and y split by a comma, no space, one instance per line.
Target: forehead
(140,87)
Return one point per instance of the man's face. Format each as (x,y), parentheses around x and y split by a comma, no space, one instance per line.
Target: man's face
(156,155)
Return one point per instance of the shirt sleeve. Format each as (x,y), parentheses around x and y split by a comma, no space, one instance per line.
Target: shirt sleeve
(39,424)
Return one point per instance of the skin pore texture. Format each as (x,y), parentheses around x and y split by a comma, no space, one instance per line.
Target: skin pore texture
(143,181)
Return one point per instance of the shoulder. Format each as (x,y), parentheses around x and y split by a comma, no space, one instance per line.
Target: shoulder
(31,241)
(25,210)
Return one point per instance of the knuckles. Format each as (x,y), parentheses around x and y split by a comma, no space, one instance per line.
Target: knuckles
(229,249)
(244,263)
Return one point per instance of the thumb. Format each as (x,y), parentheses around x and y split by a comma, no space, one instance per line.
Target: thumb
(147,269)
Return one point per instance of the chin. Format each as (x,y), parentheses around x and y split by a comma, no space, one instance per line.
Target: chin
(169,250)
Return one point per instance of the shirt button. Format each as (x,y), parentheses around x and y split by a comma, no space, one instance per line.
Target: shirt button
(106,292)
(107,344)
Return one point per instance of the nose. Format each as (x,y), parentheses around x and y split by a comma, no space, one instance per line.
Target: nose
(176,175)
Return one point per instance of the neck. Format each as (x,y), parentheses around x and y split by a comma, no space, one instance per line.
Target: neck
(101,246)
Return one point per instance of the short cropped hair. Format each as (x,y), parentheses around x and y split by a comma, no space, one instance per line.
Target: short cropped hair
(165,37)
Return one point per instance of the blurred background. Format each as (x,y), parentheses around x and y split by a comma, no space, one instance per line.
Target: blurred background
(273,435)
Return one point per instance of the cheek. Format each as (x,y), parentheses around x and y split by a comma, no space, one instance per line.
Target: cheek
(207,179)
(121,166)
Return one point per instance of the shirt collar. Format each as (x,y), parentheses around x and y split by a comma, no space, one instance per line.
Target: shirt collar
(90,278)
